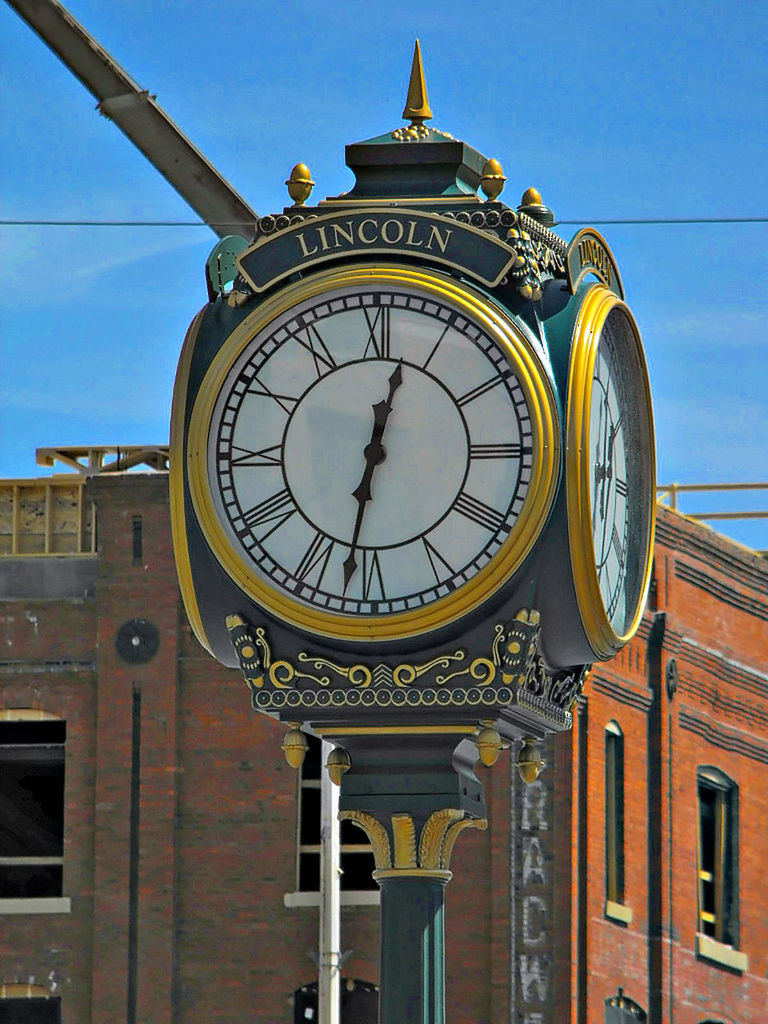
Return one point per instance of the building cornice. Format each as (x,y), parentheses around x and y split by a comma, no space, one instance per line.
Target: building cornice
(725,737)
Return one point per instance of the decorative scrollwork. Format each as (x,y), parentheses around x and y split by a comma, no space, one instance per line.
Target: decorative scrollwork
(515,672)
(483,670)
(406,674)
(358,675)
(518,647)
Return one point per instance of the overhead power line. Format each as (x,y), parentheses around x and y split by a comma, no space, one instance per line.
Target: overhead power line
(240,224)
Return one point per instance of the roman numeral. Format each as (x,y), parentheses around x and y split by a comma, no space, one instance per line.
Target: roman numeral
(479,512)
(621,487)
(314,344)
(285,402)
(372,577)
(482,389)
(445,330)
(617,545)
(276,509)
(497,451)
(317,555)
(437,561)
(264,457)
(378,333)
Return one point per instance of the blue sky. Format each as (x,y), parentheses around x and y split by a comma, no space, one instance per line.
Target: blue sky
(612,110)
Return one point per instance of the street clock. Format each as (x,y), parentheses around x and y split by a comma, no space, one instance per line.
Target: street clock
(411,480)
(412,461)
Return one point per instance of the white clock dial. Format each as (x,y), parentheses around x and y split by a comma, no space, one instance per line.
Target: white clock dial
(608,481)
(370,451)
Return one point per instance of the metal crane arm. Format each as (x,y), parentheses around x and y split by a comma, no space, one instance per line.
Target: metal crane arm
(139,117)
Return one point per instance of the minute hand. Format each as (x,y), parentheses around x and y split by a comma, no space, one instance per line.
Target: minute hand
(374,455)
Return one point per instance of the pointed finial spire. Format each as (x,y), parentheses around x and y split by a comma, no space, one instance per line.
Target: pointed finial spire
(417,103)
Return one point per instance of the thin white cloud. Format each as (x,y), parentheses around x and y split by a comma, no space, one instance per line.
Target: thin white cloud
(61,273)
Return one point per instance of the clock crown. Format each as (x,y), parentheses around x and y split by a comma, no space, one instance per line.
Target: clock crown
(414,161)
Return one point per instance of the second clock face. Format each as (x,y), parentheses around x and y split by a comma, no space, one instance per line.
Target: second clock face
(621,468)
(611,474)
(372,449)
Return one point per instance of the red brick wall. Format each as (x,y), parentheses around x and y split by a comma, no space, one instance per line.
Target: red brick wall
(715,598)
(216,805)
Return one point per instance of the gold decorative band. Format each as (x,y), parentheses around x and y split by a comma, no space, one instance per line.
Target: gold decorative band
(403,730)
(441,876)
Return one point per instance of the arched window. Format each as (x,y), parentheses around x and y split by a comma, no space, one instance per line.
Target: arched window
(31,804)
(718,856)
(620,1009)
(359,1002)
(614,813)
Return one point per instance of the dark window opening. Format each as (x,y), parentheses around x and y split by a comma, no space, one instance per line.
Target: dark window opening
(653,592)
(138,540)
(718,856)
(614,813)
(356,869)
(31,808)
(356,860)
(31,1011)
(359,1002)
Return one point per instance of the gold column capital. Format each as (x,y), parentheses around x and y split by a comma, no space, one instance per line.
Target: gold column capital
(395,849)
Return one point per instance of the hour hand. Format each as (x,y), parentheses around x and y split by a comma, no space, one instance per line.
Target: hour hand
(375,454)
(381,410)
(349,565)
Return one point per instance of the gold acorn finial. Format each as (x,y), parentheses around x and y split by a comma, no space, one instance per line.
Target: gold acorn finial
(294,746)
(529,761)
(531,197)
(300,184)
(533,205)
(489,743)
(492,181)
(417,108)
(338,764)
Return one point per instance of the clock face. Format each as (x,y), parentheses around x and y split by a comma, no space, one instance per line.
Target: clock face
(374,448)
(617,448)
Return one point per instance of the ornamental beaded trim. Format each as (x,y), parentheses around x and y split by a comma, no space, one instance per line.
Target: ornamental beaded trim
(514,661)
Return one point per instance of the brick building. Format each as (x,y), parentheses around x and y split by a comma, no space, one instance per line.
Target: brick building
(158,858)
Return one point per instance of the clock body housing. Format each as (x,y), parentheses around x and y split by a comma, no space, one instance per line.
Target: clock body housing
(594,563)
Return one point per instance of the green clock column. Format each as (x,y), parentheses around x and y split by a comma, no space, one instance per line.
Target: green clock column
(419,796)
(412,946)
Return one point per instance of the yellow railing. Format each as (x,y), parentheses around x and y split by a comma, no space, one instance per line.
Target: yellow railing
(667,494)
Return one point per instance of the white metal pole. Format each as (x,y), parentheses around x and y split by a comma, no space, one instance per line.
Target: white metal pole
(329,965)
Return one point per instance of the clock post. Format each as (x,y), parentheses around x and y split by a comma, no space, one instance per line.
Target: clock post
(412,490)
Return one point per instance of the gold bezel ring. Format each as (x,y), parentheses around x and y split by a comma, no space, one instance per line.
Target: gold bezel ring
(536,506)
